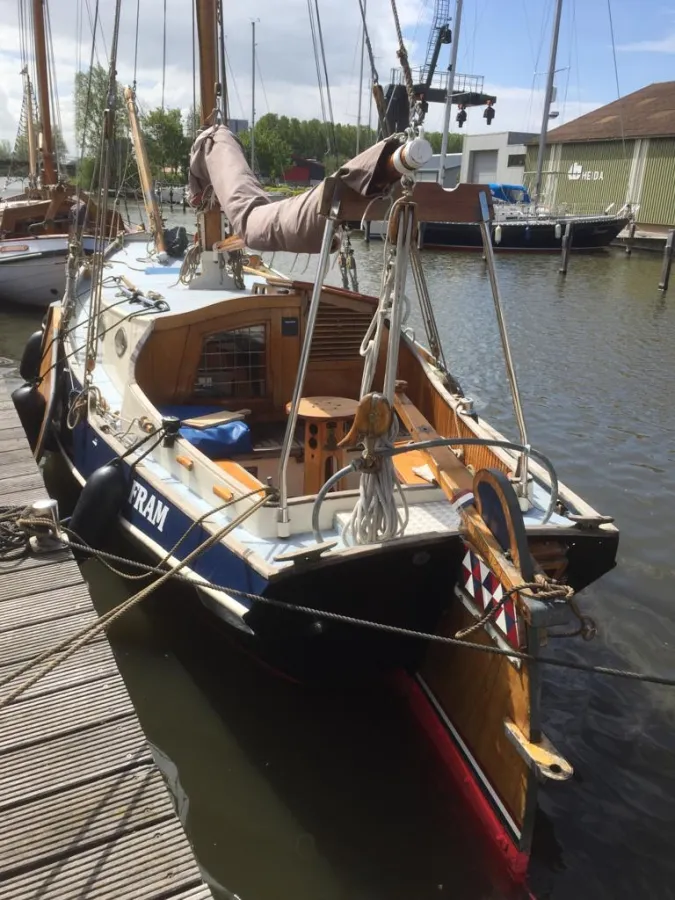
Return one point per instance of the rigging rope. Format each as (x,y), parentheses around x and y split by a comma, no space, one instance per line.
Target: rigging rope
(80,224)
(99,26)
(329,100)
(195,117)
(54,93)
(320,63)
(416,109)
(164,56)
(616,74)
(138,15)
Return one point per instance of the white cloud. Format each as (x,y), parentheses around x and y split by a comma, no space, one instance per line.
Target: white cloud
(285,56)
(665,45)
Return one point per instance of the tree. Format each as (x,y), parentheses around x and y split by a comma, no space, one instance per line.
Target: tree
(454,141)
(272,152)
(193,121)
(5,149)
(91,99)
(168,146)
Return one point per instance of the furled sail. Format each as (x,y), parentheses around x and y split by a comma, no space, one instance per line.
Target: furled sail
(217,161)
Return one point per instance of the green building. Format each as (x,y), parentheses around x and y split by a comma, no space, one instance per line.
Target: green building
(622,153)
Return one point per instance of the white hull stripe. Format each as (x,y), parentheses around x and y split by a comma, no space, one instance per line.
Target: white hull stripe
(496,800)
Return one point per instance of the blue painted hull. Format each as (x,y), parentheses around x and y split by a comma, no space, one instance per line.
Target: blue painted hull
(404,585)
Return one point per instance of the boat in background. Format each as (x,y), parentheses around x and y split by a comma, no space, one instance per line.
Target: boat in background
(35,226)
(313,470)
(520,224)
(33,269)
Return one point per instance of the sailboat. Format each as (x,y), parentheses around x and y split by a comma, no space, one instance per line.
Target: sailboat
(523,222)
(35,225)
(314,472)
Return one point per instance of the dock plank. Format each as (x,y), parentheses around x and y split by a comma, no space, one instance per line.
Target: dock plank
(46,829)
(59,603)
(67,712)
(92,663)
(22,644)
(14,439)
(151,864)
(15,461)
(71,759)
(35,575)
(85,811)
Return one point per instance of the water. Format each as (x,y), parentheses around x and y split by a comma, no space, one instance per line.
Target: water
(288,792)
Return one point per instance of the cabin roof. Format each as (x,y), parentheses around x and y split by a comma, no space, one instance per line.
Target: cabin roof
(649,112)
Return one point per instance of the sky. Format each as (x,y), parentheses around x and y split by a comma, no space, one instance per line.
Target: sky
(507,43)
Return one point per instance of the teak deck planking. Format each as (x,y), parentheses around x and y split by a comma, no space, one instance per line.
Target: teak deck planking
(85,812)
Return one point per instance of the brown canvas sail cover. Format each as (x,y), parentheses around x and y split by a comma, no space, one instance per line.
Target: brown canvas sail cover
(217,160)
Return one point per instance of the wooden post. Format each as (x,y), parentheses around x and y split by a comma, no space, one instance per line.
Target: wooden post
(667,260)
(566,247)
(207,32)
(420,236)
(49,173)
(151,207)
(630,240)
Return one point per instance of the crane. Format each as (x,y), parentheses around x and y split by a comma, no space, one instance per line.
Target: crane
(432,86)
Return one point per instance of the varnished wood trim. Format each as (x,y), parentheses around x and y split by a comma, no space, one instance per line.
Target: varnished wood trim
(223,492)
(186,462)
(239,473)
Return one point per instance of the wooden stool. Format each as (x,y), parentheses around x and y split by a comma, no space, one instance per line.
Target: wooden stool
(327,421)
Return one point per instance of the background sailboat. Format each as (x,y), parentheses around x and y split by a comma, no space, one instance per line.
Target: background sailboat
(524,223)
(34,226)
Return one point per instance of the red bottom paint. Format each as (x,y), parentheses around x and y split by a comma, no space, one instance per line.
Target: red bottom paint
(515,860)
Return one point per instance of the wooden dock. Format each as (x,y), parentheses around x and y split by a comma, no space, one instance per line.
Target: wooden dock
(85,812)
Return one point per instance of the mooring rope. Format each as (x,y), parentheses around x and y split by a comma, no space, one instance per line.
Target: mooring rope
(104,556)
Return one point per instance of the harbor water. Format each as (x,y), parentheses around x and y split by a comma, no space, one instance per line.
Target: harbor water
(331,794)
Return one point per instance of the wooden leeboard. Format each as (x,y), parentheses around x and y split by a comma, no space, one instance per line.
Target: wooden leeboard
(85,812)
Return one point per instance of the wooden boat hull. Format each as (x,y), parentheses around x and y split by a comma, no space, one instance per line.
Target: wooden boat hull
(486,707)
(462,699)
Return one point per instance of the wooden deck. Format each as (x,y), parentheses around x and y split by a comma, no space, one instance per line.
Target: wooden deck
(85,812)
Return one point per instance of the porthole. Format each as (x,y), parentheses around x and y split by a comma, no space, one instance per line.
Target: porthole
(120,342)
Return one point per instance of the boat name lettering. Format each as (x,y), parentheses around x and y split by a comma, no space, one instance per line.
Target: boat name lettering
(148,505)
(14,248)
(576,171)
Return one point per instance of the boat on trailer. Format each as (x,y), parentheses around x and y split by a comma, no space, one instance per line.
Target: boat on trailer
(317,474)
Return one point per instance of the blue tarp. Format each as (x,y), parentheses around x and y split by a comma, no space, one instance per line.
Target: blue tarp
(510,193)
(216,441)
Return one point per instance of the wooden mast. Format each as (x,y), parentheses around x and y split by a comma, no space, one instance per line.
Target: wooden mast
(49,170)
(149,198)
(207,31)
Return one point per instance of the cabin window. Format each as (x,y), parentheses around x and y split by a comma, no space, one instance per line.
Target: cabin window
(233,364)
